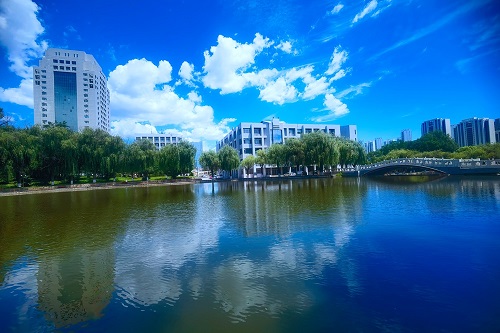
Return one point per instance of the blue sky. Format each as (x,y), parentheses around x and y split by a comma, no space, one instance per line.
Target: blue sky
(198,68)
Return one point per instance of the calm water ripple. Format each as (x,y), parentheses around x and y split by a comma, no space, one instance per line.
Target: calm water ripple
(321,255)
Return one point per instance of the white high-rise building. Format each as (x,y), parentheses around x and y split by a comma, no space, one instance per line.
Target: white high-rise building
(475,131)
(436,125)
(69,87)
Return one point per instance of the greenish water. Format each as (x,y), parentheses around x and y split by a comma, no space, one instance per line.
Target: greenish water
(286,256)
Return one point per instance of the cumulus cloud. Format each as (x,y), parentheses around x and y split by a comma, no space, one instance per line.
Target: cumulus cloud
(337,9)
(372,5)
(140,94)
(335,109)
(226,63)
(285,47)
(19,32)
(338,58)
(186,72)
(139,75)
(279,92)
(22,95)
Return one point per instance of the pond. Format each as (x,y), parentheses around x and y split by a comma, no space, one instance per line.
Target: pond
(316,255)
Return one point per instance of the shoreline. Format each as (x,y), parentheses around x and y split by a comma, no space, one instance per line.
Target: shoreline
(89,187)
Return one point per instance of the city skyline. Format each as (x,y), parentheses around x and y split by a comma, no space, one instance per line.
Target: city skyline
(198,69)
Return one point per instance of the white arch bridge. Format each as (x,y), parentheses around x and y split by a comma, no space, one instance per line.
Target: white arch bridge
(437,165)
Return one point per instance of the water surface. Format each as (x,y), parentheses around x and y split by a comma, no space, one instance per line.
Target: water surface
(344,255)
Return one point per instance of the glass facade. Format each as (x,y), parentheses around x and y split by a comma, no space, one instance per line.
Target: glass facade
(65,99)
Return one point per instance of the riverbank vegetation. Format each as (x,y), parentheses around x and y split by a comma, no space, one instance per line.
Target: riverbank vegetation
(57,154)
(434,144)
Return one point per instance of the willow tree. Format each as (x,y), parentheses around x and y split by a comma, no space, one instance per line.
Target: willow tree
(209,160)
(320,149)
(295,152)
(187,153)
(170,161)
(248,163)
(229,159)
(276,154)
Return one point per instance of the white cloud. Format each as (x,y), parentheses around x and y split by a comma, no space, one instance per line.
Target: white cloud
(139,94)
(127,128)
(340,74)
(356,90)
(337,9)
(139,75)
(335,107)
(279,92)
(186,71)
(19,31)
(337,60)
(372,5)
(315,87)
(285,47)
(22,95)
(226,63)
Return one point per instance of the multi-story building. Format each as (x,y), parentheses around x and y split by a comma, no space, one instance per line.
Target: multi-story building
(248,138)
(475,131)
(378,143)
(406,135)
(159,140)
(436,125)
(69,87)
(497,130)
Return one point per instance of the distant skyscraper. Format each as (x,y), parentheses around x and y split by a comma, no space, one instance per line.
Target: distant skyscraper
(475,131)
(378,143)
(436,125)
(406,135)
(70,87)
(497,130)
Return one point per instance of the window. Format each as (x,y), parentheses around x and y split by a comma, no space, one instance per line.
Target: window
(37,77)
(248,150)
(85,95)
(247,141)
(44,82)
(258,141)
(54,61)
(285,132)
(68,68)
(67,62)
(44,71)
(291,131)
(308,130)
(85,74)
(61,67)
(73,68)
(299,131)
(61,61)
(37,83)
(44,104)
(44,93)
(56,67)
(85,100)
(44,98)
(44,76)
(246,130)
(257,131)
(331,131)
(44,115)
(73,62)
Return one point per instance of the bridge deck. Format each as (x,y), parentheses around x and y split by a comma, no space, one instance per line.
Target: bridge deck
(446,166)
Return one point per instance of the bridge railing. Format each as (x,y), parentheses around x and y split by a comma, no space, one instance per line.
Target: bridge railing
(433,162)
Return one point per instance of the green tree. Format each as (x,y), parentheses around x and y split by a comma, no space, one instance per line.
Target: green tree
(170,160)
(434,141)
(320,149)
(3,121)
(261,159)
(209,160)
(295,152)
(276,154)
(229,159)
(187,152)
(248,163)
